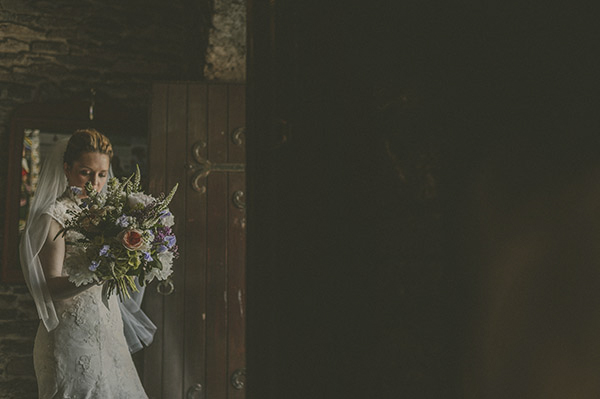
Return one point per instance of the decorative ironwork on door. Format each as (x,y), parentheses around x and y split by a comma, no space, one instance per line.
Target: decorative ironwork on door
(204,167)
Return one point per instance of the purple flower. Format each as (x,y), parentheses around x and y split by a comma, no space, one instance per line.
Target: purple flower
(164,231)
(165,213)
(76,190)
(147,256)
(171,240)
(104,250)
(123,221)
(161,248)
(94,265)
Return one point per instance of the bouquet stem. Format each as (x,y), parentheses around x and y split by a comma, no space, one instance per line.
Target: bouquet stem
(122,285)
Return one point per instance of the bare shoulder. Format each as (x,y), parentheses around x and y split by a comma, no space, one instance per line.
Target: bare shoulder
(53,251)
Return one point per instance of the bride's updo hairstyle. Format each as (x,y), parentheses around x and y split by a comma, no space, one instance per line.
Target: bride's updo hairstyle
(87,140)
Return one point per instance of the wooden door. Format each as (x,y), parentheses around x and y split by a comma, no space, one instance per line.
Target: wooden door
(346,264)
(197,140)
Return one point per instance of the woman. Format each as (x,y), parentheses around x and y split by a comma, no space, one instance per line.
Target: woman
(80,350)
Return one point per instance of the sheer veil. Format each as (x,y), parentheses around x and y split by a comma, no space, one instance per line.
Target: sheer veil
(51,184)
(137,327)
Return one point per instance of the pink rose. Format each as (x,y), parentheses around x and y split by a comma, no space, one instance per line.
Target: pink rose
(132,239)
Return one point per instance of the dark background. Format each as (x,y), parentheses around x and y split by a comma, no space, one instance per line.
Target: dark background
(421,210)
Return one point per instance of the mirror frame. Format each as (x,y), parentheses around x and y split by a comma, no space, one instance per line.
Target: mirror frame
(67,116)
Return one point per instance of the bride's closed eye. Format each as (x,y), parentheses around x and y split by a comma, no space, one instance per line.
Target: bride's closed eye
(88,173)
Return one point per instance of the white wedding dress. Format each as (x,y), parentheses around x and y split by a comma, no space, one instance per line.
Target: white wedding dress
(86,355)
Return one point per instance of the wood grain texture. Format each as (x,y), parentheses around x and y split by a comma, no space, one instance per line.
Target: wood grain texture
(174,303)
(196,223)
(217,246)
(236,250)
(153,302)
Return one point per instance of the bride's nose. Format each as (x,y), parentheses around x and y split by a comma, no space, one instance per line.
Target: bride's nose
(95,180)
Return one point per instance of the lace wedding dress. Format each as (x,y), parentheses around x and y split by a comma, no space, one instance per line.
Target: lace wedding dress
(86,355)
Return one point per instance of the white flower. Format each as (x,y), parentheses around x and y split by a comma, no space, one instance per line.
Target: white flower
(166,259)
(76,266)
(167,218)
(139,198)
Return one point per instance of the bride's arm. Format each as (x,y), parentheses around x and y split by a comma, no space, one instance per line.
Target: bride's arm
(52,257)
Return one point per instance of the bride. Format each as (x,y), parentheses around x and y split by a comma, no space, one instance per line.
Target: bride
(82,347)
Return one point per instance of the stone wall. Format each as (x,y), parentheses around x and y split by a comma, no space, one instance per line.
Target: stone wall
(226,52)
(54,50)
(18,324)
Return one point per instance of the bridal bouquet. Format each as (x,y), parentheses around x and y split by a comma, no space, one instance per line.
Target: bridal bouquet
(120,235)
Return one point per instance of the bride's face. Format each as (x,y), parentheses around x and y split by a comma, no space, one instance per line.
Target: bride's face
(89,167)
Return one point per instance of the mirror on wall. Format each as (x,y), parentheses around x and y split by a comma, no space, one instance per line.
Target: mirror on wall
(34,130)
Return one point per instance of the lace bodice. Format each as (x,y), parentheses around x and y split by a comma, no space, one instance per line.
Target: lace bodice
(65,203)
(86,356)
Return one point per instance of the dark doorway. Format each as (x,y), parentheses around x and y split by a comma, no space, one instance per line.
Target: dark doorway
(370,124)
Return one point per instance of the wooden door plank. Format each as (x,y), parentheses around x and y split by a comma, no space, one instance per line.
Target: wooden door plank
(236,249)
(216,323)
(237,122)
(153,302)
(236,285)
(196,225)
(174,303)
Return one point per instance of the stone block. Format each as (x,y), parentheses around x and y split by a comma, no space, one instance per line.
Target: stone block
(49,47)
(18,328)
(66,31)
(21,366)
(48,91)
(18,91)
(140,67)
(10,45)
(19,388)
(22,19)
(98,34)
(18,31)
(87,74)
(19,6)
(27,310)
(7,301)
(89,61)
(8,314)
(7,60)
(43,70)
(20,289)
(13,346)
